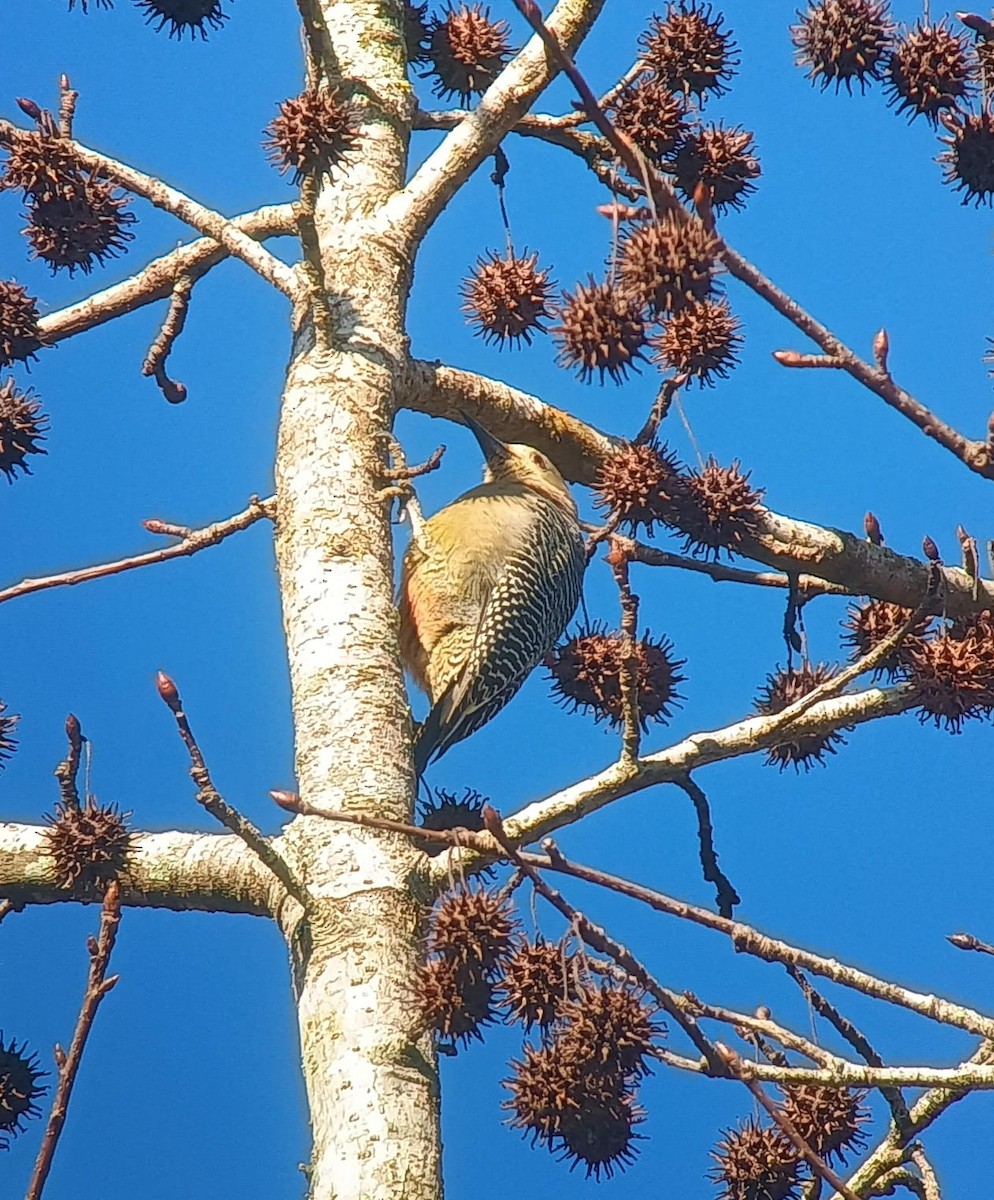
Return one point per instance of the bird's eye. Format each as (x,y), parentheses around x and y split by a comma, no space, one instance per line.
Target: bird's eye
(538,459)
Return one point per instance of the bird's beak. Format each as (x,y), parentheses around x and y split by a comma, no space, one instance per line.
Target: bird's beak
(494,450)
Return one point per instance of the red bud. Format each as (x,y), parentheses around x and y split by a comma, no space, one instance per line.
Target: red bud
(168,691)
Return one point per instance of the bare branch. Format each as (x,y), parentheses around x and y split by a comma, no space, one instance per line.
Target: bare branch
(205,220)
(172,327)
(191,541)
(436,181)
(156,281)
(98,984)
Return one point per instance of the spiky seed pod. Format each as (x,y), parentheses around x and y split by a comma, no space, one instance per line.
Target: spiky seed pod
(82,232)
(600,1134)
(953,673)
(8,723)
(666,265)
(781,690)
(40,166)
(315,131)
(538,979)
(588,1116)
(829,1119)
(652,116)
(417,38)
(756,1162)
(723,160)
(969,160)
(22,427)
(467,51)
(19,1089)
(932,70)
(867,625)
(586,675)
(508,298)
(689,50)
(20,336)
(702,340)
(640,483)
(89,846)
(612,1028)
(600,331)
(476,928)
(716,509)
(444,811)
(844,42)
(184,16)
(453,1001)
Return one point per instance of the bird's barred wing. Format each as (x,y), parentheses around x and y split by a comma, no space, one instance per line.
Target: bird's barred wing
(528,608)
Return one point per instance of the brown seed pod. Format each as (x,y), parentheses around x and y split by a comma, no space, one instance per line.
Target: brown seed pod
(89,845)
(612,1028)
(756,1162)
(8,723)
(417,37)
(40,166)
(183,16)
(721,159)
(640,483)
(780,691)
(20,336)
(444,811)
(538,979)
(844,42)
(867,625)
(953,673)
(652,116)
(716,509)
(689,50)
(454,1001)
(586,674)
(315,131)
(587,1116)
(667,264)
(508,298)
(81,232)
(969,159)
(600,330)
(467,51)
(702,340)
(473,928)
(20,1089)
(22,427)
(932,70)
(829,1119)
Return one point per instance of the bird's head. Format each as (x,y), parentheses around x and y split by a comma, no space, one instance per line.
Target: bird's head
(514,462)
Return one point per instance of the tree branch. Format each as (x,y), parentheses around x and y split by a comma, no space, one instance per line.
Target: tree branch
(191,540)
(155,281)
(205,220)
(791,546)
(415,207)
(184,872)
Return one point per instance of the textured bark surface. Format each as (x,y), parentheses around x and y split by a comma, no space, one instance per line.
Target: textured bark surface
(369,1070)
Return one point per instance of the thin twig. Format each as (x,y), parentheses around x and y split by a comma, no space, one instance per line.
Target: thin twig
(98,984)
(726,895)
(859,1042)
(596,937)
(312,263)
(665,396)
(172,327)
(817,1164)
(629,673)
(930,1183)
(68,770)
(193,540)
(67,106)
(966,941)
(211,799)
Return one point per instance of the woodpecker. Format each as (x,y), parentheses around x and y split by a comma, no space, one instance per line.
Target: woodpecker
(488,585)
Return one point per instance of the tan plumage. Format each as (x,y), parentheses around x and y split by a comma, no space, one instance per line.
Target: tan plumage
(487,589)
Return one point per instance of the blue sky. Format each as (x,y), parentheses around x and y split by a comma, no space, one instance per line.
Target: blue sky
(190,1081)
